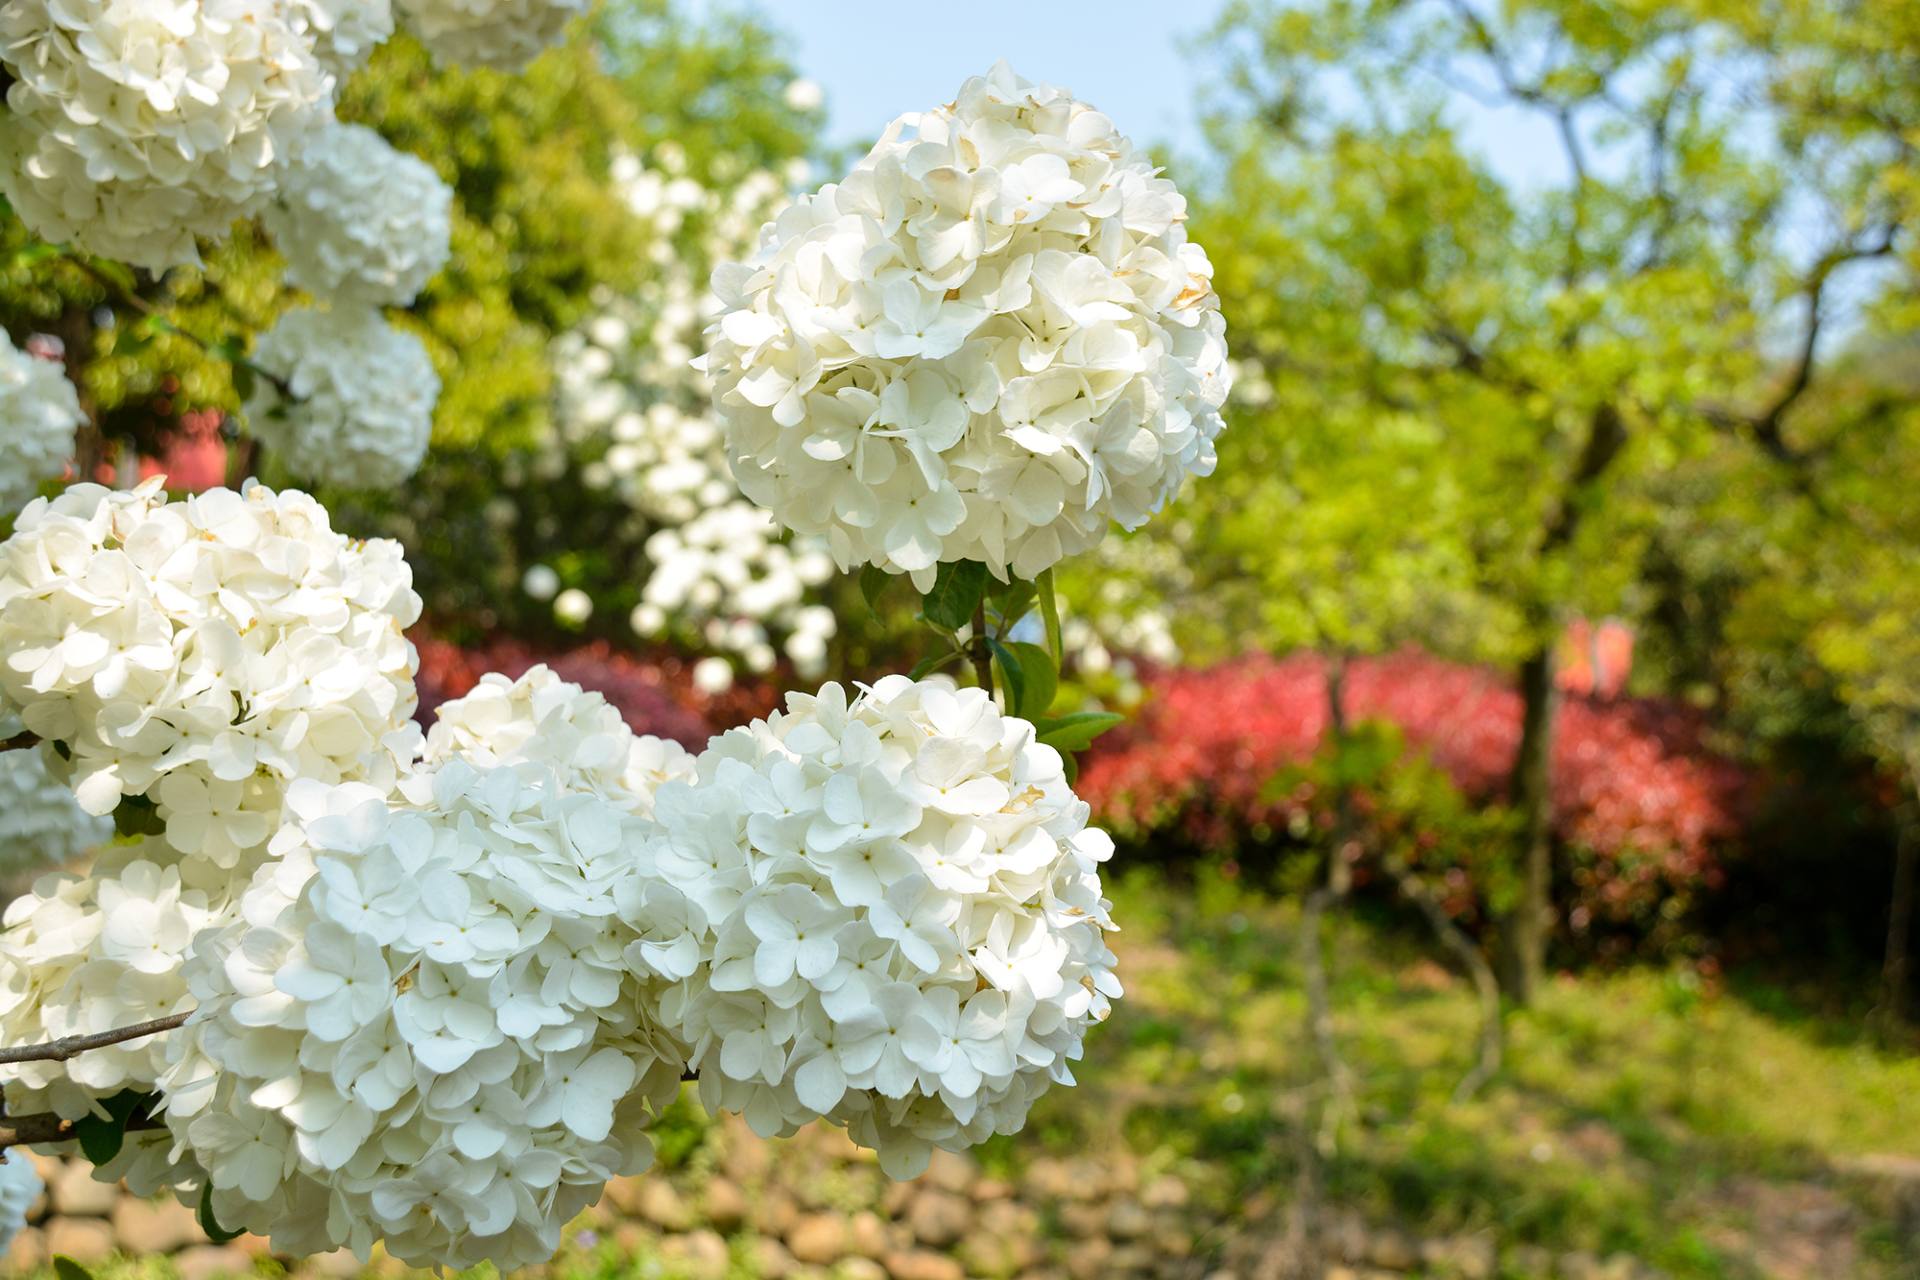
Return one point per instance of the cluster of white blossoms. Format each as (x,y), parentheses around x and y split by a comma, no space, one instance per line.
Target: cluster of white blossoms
(20,1186)
(83,954)
(638,418)
(502,34)
(360,413)
(359,221)
(540,722)
(195,656)
(898,913)
(136,125)
(990,342)
(41,824)
(344,33)
(39,412)
(434,1028)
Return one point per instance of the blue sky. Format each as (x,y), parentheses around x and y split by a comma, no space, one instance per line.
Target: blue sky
(878,58)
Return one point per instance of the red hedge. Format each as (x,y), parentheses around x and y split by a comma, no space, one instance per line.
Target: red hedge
(1637,795)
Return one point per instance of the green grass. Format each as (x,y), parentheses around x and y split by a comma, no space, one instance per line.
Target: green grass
(1638,1112)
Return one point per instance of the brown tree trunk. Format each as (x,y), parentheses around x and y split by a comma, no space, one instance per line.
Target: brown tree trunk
(1906,871)
(1529,792)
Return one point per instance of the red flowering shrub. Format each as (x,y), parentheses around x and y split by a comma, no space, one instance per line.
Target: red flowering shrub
(655,694)
(1639,802)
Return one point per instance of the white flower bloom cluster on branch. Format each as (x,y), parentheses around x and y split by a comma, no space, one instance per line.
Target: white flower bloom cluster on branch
(502,34)
(363,391)
(39,411)
(359,221)
(990,342)
(193,658)
(344,33)
(136,125)
(639,420)
(429,1032)
(896,904)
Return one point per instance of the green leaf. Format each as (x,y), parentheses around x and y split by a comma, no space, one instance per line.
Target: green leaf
(1076,732)
(957,591)
(1029,676)
(1050,614)
(137,816)
(101,1136)
(244,382)
(215,1232)
(927,666)
(67,1269)
(873,584)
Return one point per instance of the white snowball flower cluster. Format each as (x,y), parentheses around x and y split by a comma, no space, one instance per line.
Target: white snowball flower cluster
(502,34)
(991,342)
(543,723)
(363,392)
(41,824)
(135,125)
(642,420)
(39,413)
(344,33)
(202,654)
(429,1031)
(359,221)
(205,652)
(898,912)
(82,954)
(20,1186)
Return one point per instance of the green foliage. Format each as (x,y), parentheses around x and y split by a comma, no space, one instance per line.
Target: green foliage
(101,1136)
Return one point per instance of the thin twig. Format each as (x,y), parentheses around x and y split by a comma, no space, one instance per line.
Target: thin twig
(44,1127)
(70,1046)
(127,296)
(20,742)
(977,649)
(1487,1062)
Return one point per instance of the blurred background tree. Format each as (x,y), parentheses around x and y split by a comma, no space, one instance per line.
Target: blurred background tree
(1467,407)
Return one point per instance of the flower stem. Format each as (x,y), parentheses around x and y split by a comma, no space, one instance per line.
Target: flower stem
(977,649)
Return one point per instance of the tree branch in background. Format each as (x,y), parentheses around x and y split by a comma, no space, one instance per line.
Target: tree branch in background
(1454,939)
(70,1046)
(43,1128)
(20,742)
(118,290)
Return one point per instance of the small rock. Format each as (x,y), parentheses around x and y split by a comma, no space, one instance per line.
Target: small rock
(1392,1251)
(206,1261)
(950,1171)
(1222,1273)
(76,1193)
(1089,1260)
(153,1226)
(861,1269)
(630,1238)
(1049,1178)
(769,1259)
(818,1237)
(1165,1192)
(726,1204)
(660,1204)
(1126,1220)
(774,1213)
(748,1157)
(1085,1220)
(939,1218)
(922,1264)
(28,1252)
(701,1254)
(897,1196)
(82,1239)
(867,1234)
(987,1190)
